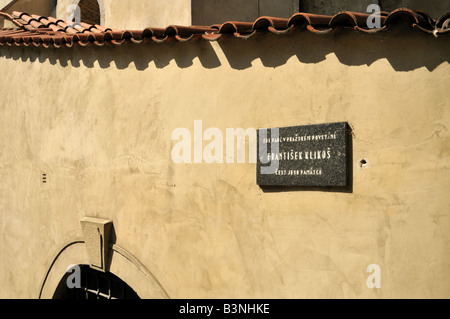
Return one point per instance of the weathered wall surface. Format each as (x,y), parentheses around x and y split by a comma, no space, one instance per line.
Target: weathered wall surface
(138,14)
(206,12)
(98,122)
(144,13)
(435,8)
(3,3)
(331,7)
(41,7)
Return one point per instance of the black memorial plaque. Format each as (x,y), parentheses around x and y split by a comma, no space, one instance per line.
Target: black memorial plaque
(312,155)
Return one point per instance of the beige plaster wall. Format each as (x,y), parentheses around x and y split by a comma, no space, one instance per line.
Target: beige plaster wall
(98,122)
(145,13)
(3,3)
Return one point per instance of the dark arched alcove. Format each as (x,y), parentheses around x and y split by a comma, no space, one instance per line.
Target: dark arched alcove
(90,11)
(93,284)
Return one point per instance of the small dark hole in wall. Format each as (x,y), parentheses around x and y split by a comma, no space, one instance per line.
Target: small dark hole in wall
(363,163)
(44,178)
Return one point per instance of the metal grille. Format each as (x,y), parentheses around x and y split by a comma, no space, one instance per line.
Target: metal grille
(96,285)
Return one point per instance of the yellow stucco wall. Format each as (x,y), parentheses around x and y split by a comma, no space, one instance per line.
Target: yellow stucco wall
(137,14)
(98,122)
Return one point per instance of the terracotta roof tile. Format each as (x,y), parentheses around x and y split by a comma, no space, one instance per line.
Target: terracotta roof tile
(37,30)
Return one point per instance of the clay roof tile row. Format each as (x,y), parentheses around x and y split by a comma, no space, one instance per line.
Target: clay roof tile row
(35,30)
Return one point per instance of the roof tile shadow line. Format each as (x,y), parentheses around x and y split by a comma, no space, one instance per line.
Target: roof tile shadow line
(215,36)
(183,31)
(372,30)
(280,32)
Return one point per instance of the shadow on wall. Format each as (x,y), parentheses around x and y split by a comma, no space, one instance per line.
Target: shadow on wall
(405,50)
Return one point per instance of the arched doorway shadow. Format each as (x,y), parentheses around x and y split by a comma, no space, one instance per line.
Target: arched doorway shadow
(83,282)
(124,267)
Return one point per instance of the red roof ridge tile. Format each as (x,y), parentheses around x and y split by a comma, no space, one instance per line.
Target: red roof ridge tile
(50,31)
